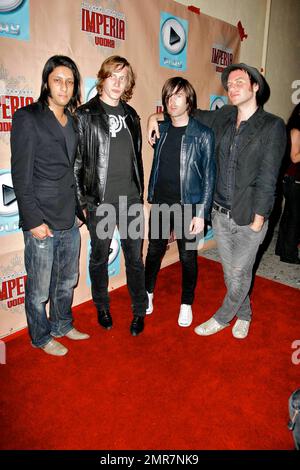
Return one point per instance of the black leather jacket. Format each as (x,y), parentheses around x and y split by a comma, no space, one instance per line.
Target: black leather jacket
(197,165)
(91,163)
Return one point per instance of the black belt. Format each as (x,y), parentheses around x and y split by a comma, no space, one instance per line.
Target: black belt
(223,210)
(290,179)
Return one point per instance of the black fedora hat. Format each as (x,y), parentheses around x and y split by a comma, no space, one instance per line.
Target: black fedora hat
(263,93)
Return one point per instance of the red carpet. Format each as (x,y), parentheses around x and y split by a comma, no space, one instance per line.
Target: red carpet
(166,389)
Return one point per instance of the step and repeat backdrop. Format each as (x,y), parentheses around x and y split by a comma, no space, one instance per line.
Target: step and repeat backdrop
(160,38)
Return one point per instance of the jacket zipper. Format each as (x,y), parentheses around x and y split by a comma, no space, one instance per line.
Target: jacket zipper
(181,171)
(158,159)
(104,187)
(135,161)
(197,169)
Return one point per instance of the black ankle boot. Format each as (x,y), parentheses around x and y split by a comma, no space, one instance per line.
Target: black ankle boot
(104,319)
(295,260)
(137,325)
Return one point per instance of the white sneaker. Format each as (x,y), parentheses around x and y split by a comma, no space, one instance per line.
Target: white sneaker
(210,327)
(240,329)
(150,303)
(185,315)
(55,348)
(76,335)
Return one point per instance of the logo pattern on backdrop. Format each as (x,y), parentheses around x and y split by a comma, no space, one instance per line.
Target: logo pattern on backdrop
(173,42)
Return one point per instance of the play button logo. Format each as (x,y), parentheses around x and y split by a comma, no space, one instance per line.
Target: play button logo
(8,195)
(8,200)
(173,41)
(173,36)
(217,102)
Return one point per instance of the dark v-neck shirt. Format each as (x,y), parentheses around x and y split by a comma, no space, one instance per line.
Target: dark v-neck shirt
(70,137)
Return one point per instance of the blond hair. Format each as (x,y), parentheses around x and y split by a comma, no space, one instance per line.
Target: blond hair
(112,64)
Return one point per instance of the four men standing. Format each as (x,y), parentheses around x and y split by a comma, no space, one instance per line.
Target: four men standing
(250,144)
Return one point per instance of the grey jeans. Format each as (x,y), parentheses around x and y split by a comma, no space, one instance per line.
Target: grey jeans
(237,246)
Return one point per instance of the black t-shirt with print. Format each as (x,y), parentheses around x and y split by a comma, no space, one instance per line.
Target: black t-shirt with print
(120,181)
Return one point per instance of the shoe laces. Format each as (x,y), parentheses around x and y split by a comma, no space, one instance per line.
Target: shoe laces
(243,325)
(185,311)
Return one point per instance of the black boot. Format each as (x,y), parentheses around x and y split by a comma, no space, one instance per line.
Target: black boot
(137,325)
(104,318)
(294,260)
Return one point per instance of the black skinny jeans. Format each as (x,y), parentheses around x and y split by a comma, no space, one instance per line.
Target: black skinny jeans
(157,248)
(132,250)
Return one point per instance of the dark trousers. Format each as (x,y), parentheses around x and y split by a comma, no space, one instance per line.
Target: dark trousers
(289,227)
(132,249)
(157,248)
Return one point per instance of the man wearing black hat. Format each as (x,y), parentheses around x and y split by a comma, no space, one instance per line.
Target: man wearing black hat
(250,145)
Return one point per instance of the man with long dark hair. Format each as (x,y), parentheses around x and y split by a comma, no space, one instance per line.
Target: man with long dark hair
(109,175)
(180,190)
(43,144)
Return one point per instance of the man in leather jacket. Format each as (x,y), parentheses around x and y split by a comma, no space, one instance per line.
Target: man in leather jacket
(110,184)
(180,190)
(250,144)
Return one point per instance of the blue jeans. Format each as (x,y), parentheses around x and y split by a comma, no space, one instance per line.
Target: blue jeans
(237,247)
(52,273)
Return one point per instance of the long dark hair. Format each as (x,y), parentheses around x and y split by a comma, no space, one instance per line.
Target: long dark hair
(51,64)
(293,123)
(174,85)
(294,119)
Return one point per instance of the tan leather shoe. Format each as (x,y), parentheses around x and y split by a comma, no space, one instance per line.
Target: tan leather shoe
(76,335)
(54,348)
(210,327)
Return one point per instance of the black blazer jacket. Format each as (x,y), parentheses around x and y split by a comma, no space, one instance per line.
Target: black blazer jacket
(42,170)
(259,159)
